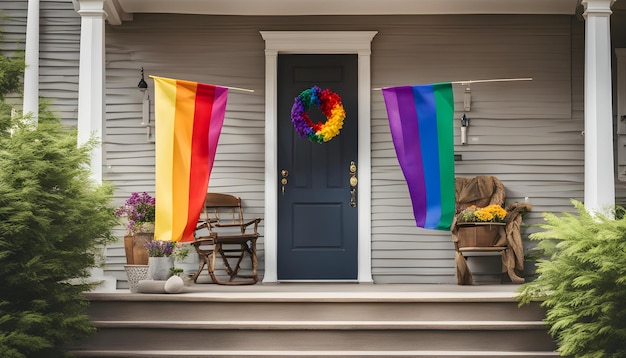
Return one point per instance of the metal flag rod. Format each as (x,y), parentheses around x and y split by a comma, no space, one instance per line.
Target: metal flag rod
(493,80)
(237,89)
(230,88)
(478,81)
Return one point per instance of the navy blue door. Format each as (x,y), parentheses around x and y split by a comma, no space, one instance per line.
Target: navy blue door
(317,225)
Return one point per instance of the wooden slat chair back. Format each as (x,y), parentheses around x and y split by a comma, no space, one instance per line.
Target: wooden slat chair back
(222,232)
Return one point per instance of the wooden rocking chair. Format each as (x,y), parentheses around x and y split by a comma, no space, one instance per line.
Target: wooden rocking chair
(226,235)
(483,191)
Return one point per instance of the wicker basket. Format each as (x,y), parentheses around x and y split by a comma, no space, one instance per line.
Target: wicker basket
(477,234)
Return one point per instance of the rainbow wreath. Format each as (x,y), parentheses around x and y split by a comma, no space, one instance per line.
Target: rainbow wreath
(329,103)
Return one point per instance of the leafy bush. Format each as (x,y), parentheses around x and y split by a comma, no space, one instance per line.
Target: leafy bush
(52,218)
(583,283)
(10,71)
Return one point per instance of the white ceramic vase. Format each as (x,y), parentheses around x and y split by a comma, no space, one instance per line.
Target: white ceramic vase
(159,268)
(135,274)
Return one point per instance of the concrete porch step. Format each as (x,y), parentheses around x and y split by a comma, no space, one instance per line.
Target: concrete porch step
(318,321)
(277,307)
(327,325)
(342,338)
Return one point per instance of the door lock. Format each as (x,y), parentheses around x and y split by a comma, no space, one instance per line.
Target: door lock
(353,183)
(284,173)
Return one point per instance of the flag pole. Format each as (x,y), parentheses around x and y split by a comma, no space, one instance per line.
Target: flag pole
(467,82)
(237,89)
(230,88)
(492,80)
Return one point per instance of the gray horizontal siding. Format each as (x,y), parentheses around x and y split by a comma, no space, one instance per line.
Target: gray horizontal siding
(59,29)
(59,52)
(526,133)
(522,132)
(13,34)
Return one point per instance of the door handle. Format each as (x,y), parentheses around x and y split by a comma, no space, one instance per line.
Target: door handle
(284,173)
(353,183)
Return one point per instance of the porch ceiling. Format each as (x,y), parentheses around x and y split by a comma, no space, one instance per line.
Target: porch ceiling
(122,10)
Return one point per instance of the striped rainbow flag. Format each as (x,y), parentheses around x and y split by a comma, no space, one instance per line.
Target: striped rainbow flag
(189,118)
(421,121)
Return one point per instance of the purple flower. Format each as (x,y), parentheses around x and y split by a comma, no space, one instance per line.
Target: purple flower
(160,248)
(138,209)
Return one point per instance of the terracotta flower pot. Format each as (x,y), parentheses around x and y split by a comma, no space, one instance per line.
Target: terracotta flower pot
(136,252)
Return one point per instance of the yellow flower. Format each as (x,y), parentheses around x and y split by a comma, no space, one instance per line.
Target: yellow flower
(491,213)
(483,215)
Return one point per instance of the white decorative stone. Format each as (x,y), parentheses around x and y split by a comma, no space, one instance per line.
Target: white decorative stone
(174,284)
(150,286)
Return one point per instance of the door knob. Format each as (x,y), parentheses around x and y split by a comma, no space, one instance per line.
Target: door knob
(353,183)
(284,173)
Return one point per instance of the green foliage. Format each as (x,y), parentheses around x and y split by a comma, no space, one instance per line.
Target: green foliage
(52,218)
(175,271)
(582,282)
(10,71)
(9,67)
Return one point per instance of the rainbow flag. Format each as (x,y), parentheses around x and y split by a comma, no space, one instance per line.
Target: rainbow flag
(421,120)
(189,118)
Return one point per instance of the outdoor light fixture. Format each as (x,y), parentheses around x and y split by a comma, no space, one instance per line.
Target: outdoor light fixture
(464,125)
(143,85)
(145,108)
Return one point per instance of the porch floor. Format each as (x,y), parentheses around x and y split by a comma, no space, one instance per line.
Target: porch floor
(330,292)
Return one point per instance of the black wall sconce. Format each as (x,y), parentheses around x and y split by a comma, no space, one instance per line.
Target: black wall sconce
(143,85)
(464,125)
(145,108)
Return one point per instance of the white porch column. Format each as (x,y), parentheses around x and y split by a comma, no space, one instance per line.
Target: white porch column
(91,98)
(599,175)
(31,73)
(91,78)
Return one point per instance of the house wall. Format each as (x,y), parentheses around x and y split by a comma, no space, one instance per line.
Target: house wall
(59,42)
(526,133)
(618,40)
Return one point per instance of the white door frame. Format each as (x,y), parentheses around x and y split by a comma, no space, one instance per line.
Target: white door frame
(318,42)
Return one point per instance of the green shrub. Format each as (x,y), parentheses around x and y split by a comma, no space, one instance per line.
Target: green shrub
(52,218)
(582,282)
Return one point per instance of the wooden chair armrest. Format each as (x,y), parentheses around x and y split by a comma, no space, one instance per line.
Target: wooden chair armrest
(206,224)
(226,225)
(483,249)
(522,207)
(515,209)
(243,226)
(203,225)
(203,240)
(255,222)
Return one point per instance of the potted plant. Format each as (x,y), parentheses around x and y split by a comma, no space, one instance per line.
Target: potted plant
(160,259)
(480,226)
(181,251)
(488,214)
(139,211)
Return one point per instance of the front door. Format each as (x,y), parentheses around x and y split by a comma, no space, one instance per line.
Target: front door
(317,213)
